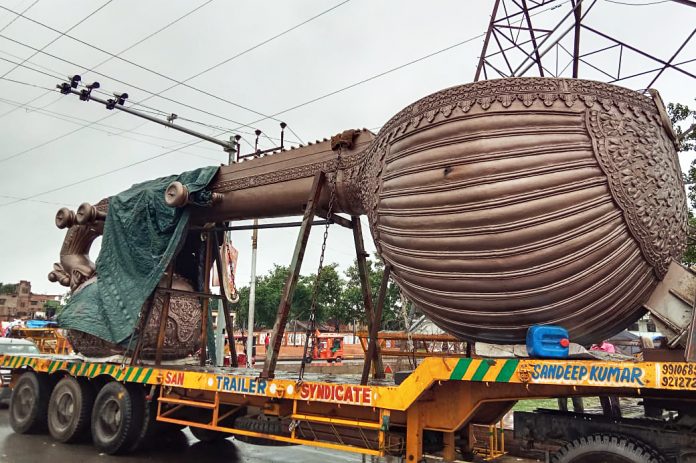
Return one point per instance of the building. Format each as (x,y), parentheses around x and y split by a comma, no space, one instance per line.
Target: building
(17,301)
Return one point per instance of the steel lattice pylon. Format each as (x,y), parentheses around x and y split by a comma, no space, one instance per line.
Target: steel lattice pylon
(520,41)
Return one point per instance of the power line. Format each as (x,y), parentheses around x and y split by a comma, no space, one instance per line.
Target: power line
(376,76)
(17,17)
(115,80)
(17,65)
(93,177)
(381,74)
(152,94)
(27,84)
(183,83)
(79,121)
(371,78)
(139,103)
(637,4)
(32,200)
(61,34)
(144,39)
(389,71)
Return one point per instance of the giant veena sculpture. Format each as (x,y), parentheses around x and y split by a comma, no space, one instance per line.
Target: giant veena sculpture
(498,205)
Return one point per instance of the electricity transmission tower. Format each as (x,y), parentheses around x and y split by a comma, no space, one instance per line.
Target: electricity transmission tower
(556,38)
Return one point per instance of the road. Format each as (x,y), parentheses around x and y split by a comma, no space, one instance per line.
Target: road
(179,447)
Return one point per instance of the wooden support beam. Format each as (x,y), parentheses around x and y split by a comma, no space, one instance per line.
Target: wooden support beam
(225,304)
(206,300)
(164,313)
(373,346)
(140,328)
(269,364)
(375,359)
(337,219)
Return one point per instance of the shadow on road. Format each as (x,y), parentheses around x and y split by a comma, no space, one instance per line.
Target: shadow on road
(173,447)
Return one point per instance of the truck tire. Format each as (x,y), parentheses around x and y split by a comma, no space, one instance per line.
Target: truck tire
(117,418)
(138,398)
(606,448)
(208,435)
(29,403)
(70,409)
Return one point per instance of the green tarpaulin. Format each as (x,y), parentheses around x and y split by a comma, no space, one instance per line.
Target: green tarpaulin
(141,235)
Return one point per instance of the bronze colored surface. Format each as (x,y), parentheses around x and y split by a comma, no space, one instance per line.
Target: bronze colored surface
(524,201)
(182,331)
(499,204)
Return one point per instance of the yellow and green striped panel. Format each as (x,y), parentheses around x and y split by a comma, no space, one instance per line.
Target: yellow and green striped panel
(499,371)
(91,370)
(127,374)
(10,361)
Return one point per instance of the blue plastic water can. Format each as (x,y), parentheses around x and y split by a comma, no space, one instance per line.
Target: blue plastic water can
(547,341)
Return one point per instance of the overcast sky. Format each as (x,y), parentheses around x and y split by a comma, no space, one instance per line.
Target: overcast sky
(47,148)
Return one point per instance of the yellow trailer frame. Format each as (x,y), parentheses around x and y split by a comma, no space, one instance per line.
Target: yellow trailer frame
(442,394)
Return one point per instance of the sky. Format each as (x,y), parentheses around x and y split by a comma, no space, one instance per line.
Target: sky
(267,57)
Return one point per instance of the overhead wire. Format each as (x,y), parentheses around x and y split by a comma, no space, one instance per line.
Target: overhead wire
(149,108)
(17,17)
(113,132)
(637,4)
(342,89)
(381,74)
(389,71)
(40,145)
(371,78)
(144,39)
(183,83)
(102,174)
(153,95)
(61,34)
(26,83)
(122,131)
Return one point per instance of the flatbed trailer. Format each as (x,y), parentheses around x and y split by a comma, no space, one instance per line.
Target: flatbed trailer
(431,410)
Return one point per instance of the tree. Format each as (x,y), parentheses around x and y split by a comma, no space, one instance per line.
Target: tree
(52,308)
(329,296)
(353,307)
(268,292)
(8,288)
(684,122)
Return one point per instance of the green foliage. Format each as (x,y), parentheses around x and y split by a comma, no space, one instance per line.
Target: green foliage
(8,288)
(689,257)
(684,122)
(52,308)
(339,297)
(269,288)
(353,306)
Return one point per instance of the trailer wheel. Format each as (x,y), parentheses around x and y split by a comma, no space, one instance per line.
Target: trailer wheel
(29,403)
(70,409)
(606,448)
(137,394)
(208,435)
(117,418)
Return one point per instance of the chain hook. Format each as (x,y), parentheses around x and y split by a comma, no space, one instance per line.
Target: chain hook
(311,328)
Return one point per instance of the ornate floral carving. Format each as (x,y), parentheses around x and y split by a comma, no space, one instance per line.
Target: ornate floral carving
(181,335)
(506,91)
(645,181)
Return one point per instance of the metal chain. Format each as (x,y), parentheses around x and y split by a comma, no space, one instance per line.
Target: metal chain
(311,329)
